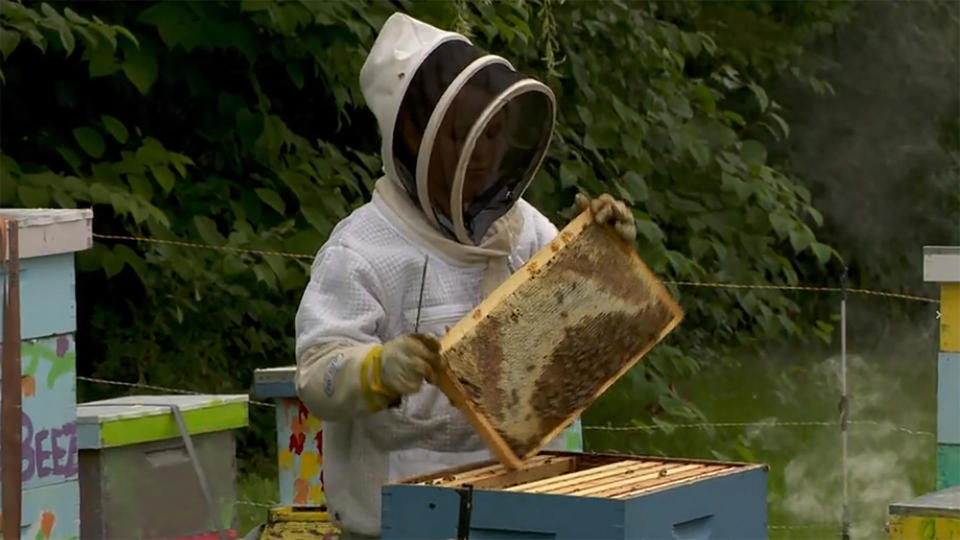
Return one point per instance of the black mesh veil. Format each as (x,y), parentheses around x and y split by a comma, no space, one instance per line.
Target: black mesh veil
(469,136)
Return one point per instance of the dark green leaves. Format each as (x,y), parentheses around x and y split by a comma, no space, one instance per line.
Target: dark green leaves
(753,152)
(822,251)
(9,39)
(115,128)
(90,141)
(140,66)
(636,186)
(163,176)
(271,198)
(208,231)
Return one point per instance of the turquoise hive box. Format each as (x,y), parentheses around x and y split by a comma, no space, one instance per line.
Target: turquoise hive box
(48,241)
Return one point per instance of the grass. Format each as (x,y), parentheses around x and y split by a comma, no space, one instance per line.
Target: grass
(254,489)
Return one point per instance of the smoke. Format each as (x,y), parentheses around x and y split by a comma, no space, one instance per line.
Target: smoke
(884,464)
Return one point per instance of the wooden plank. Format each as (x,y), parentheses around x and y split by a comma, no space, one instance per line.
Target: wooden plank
(576,478)
(683,473)
(639,479)
(553,338)
(675,483)
(552,468)
(499,470)
(465,475)
(627,475)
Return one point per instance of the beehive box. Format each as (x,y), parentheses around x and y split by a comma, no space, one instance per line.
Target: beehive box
(48,242)
(551,339)
(934,516)
(575,496)
(299,439)
(137,479)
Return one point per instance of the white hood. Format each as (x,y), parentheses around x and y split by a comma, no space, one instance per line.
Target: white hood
(462,132)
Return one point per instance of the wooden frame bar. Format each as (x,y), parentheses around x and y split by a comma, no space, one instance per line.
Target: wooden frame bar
(628,281)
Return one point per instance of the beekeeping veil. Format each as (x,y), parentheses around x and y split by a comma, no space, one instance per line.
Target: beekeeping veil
(463,132)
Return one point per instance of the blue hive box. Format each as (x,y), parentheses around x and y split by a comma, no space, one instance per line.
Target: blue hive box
(48,242)
(576,496)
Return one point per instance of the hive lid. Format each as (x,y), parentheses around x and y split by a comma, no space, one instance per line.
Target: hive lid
(943,503)
(941,264)
(50,231)
(274,382)
(136,419)
(553,338)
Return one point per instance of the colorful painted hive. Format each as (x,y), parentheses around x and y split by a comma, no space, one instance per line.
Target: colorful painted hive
(941,264)
(137,478)
(574,496)
(551,339)
(300,438)
(48,241)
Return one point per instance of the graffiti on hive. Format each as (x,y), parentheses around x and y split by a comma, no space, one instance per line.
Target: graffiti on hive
(49,432)
(62,361)
(300,447)
(43,527)
(48,451)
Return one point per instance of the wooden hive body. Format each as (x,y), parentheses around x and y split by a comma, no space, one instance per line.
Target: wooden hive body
(574,496)
(553,337)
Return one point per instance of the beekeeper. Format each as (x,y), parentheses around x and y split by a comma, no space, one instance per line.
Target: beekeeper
(463,135)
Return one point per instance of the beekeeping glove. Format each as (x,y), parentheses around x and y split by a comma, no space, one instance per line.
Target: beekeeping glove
(610,211)
(398,367)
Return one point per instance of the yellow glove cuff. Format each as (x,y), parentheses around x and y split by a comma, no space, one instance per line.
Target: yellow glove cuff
(374,392)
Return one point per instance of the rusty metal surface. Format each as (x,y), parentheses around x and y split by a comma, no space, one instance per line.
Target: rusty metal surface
(10,404)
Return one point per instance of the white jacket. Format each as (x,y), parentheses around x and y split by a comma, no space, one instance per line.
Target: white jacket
(384,267)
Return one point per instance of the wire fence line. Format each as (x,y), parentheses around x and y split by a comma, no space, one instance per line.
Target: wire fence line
(144,386)
(256,504)
(195,245)
(719,285)
(631,428)
(758,424)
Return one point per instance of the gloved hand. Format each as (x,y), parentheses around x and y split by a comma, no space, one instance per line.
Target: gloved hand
(610,211)
(399,367)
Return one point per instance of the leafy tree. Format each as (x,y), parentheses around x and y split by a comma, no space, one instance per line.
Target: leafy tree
(241,125)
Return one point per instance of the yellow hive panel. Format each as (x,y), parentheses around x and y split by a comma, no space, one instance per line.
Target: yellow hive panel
(924,528)
(950,317)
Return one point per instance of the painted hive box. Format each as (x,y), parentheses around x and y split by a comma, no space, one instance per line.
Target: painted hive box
(553,337)
(572,496)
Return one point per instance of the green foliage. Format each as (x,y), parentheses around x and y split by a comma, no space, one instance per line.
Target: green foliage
(242,125)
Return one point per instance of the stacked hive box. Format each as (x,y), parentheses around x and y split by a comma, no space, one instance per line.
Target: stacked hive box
(941,265)
(299,439)
(48,240)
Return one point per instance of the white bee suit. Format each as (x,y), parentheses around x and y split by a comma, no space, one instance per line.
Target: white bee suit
(398,265)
